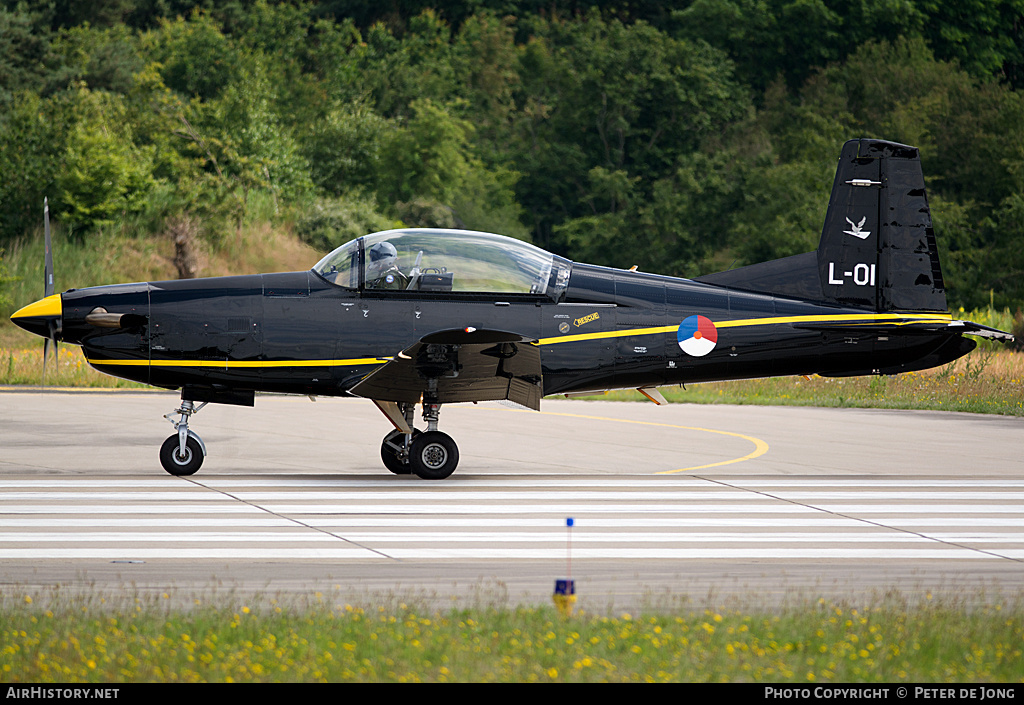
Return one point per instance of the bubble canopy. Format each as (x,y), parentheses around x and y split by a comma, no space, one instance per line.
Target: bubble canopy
(450,261)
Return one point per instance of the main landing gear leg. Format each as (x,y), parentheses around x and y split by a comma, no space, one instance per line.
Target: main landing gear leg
(183,453)
(433,455)
(394,449)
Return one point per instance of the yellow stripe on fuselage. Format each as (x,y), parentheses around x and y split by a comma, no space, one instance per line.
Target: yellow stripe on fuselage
(239,364)
(896,319)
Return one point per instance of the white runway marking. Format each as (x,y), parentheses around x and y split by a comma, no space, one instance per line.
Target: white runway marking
(595,522)
(423,506)
(534,481)
(445,552)
(339,518)
(514,496)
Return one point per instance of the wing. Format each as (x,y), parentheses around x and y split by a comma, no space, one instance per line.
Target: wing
(466,364)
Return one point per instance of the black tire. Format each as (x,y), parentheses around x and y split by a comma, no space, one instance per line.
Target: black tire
(175,464)
(433,455)
(390,456)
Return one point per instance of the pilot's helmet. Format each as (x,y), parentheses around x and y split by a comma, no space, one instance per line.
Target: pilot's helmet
(383,256)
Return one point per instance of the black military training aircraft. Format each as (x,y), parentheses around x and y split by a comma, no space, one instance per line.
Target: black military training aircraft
(442,316)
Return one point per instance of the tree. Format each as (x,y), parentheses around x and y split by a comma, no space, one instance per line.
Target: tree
(105,174)
(28,61)
(600,100)
(791,39)
(394,72)
(260,149)
(344,148)
(985,37)
(32,144)
(427,156)
(196,58)
(104,59)
(485,60)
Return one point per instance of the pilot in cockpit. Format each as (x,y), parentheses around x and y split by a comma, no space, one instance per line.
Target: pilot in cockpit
(382,271)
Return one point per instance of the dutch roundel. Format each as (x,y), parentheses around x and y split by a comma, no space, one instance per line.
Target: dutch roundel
(697,336)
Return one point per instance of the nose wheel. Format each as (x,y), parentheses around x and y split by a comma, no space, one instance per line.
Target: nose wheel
(184,452)
(178,463)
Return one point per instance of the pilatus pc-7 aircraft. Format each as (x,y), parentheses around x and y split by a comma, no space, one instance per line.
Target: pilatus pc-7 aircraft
(435,317)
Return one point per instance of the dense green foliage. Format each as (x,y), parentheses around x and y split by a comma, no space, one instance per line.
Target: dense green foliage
(682,137)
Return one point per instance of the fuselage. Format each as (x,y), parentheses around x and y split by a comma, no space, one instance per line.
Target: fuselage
(299,333)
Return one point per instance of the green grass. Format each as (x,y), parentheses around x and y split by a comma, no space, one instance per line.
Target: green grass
(67,640)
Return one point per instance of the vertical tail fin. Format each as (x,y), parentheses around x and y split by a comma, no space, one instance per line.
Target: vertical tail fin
(877,246)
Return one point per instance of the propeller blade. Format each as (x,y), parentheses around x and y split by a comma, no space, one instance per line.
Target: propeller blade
(46,355)
(48,287)
(48,268)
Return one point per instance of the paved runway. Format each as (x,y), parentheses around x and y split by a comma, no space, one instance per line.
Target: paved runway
(679,503)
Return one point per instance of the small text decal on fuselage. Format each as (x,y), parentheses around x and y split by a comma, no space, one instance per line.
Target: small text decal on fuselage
(586,319)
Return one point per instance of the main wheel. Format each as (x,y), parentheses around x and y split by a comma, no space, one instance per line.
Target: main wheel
(177,464)
(392,458)
(433,455)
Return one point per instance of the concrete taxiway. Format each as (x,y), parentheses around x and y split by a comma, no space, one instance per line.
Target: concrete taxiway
(679,503)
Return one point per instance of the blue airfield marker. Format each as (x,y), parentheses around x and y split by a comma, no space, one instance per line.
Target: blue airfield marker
(565,590)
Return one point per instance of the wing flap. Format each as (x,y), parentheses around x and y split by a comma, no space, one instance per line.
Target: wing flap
(459,366)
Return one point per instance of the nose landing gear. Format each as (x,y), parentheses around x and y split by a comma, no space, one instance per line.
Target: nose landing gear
(184,452)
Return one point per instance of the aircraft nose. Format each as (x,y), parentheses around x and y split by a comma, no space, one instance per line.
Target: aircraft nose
(37,317)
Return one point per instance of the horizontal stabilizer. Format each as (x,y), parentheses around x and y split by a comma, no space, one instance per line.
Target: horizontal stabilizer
(911,327)
(795,276)
(972,328)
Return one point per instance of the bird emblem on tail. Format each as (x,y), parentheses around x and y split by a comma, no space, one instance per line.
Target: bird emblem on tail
(857,232)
